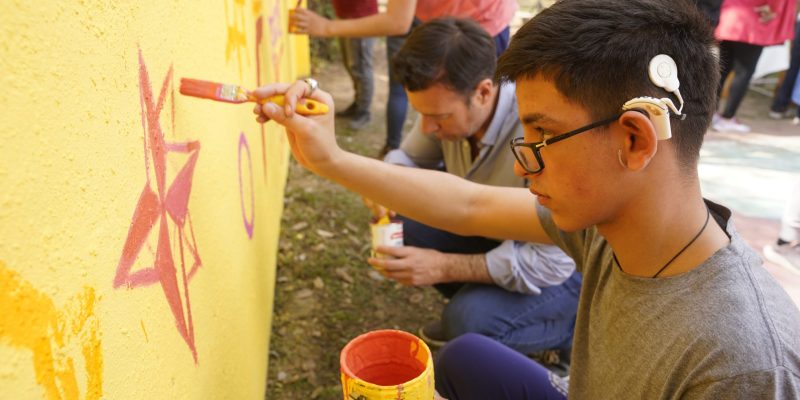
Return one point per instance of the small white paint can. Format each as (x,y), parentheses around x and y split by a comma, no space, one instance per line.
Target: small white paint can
(386,234)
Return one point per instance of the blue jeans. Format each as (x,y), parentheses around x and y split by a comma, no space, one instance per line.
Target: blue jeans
(476,367)
(526,323)
(397,105)
(357,57)
(501,41)
(783,96)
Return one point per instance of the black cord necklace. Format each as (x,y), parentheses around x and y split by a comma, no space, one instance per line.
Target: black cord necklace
(708,216)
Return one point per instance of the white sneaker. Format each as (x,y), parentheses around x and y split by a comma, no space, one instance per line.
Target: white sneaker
(786,255)
(776,114)
(729,125)
(781,115)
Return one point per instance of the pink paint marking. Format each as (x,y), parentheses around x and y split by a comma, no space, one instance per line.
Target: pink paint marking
(177,202)
(196,262)
(276,33)
(162,205)
(248,224)
(144,217)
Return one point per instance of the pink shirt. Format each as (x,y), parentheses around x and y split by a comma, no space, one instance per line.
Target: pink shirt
(492,15)
(738,22)
(354,8)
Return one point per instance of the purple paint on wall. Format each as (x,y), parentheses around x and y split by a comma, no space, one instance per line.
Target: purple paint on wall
(248,223)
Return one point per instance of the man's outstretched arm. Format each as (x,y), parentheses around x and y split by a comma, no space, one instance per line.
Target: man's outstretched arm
(432,197)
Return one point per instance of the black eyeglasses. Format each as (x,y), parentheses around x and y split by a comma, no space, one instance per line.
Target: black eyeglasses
(528,153)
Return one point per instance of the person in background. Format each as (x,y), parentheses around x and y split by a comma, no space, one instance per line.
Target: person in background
(786,250)
(710,8)
(524,295)
(674,304)
(745,27)
(395,23)
(357,58)
(784,93)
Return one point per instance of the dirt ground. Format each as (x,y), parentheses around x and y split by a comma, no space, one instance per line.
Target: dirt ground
(326,293)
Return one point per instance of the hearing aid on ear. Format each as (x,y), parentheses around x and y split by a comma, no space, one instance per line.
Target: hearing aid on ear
(657,110)
(663,73)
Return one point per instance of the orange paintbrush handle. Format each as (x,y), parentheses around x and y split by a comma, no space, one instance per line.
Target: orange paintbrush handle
(309,107)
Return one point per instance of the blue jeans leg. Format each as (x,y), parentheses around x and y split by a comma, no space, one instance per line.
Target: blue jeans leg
(397,104)
(784,94)
(476,367)
(526,323)
(501,41)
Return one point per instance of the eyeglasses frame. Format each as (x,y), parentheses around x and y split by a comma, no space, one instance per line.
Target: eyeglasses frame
(536,146)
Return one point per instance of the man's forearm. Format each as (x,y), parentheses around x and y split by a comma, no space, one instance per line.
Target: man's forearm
(466,268)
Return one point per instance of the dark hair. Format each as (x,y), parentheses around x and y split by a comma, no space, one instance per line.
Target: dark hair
(458,53)
(597,54)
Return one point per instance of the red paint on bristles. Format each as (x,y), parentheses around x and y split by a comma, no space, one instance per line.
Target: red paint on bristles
(237,95)
(206,90)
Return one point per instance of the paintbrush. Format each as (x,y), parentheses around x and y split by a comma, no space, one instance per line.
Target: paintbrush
(237,94)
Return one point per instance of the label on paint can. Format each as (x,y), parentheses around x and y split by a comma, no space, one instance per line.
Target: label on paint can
(386,234)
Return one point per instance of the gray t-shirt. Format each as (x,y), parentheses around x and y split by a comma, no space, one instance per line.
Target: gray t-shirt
(725,330)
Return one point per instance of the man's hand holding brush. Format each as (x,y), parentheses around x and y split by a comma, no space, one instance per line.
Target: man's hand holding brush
(311,138)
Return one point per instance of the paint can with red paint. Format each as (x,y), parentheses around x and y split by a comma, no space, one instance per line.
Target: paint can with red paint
(386,232)
(387,364)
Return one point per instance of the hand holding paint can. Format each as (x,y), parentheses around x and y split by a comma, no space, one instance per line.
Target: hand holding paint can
(386,232)
(387,364)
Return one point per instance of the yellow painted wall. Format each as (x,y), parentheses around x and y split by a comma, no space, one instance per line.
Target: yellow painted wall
(138,227)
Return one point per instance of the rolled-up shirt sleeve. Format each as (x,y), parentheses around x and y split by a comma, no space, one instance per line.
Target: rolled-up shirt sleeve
(527,267)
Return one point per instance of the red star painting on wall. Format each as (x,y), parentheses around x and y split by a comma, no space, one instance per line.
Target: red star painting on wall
(166,205)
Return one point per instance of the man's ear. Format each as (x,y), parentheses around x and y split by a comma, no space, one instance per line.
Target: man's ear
(483,91)
(640,143)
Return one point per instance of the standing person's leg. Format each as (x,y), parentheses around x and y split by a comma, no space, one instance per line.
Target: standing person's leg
(790,223)
(361,63)
(741,58)
(725,65)
(786,251)
(476,367)
(795,97)
(783,95)
(745,58)
(346,48)
(526,323)
(397,104)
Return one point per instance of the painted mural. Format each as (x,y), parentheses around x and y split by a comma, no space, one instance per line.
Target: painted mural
(55,338)
(158,208)
(132,266)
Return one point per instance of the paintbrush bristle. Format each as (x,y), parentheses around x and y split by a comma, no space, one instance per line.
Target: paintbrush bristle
(237,94)
(213,90)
